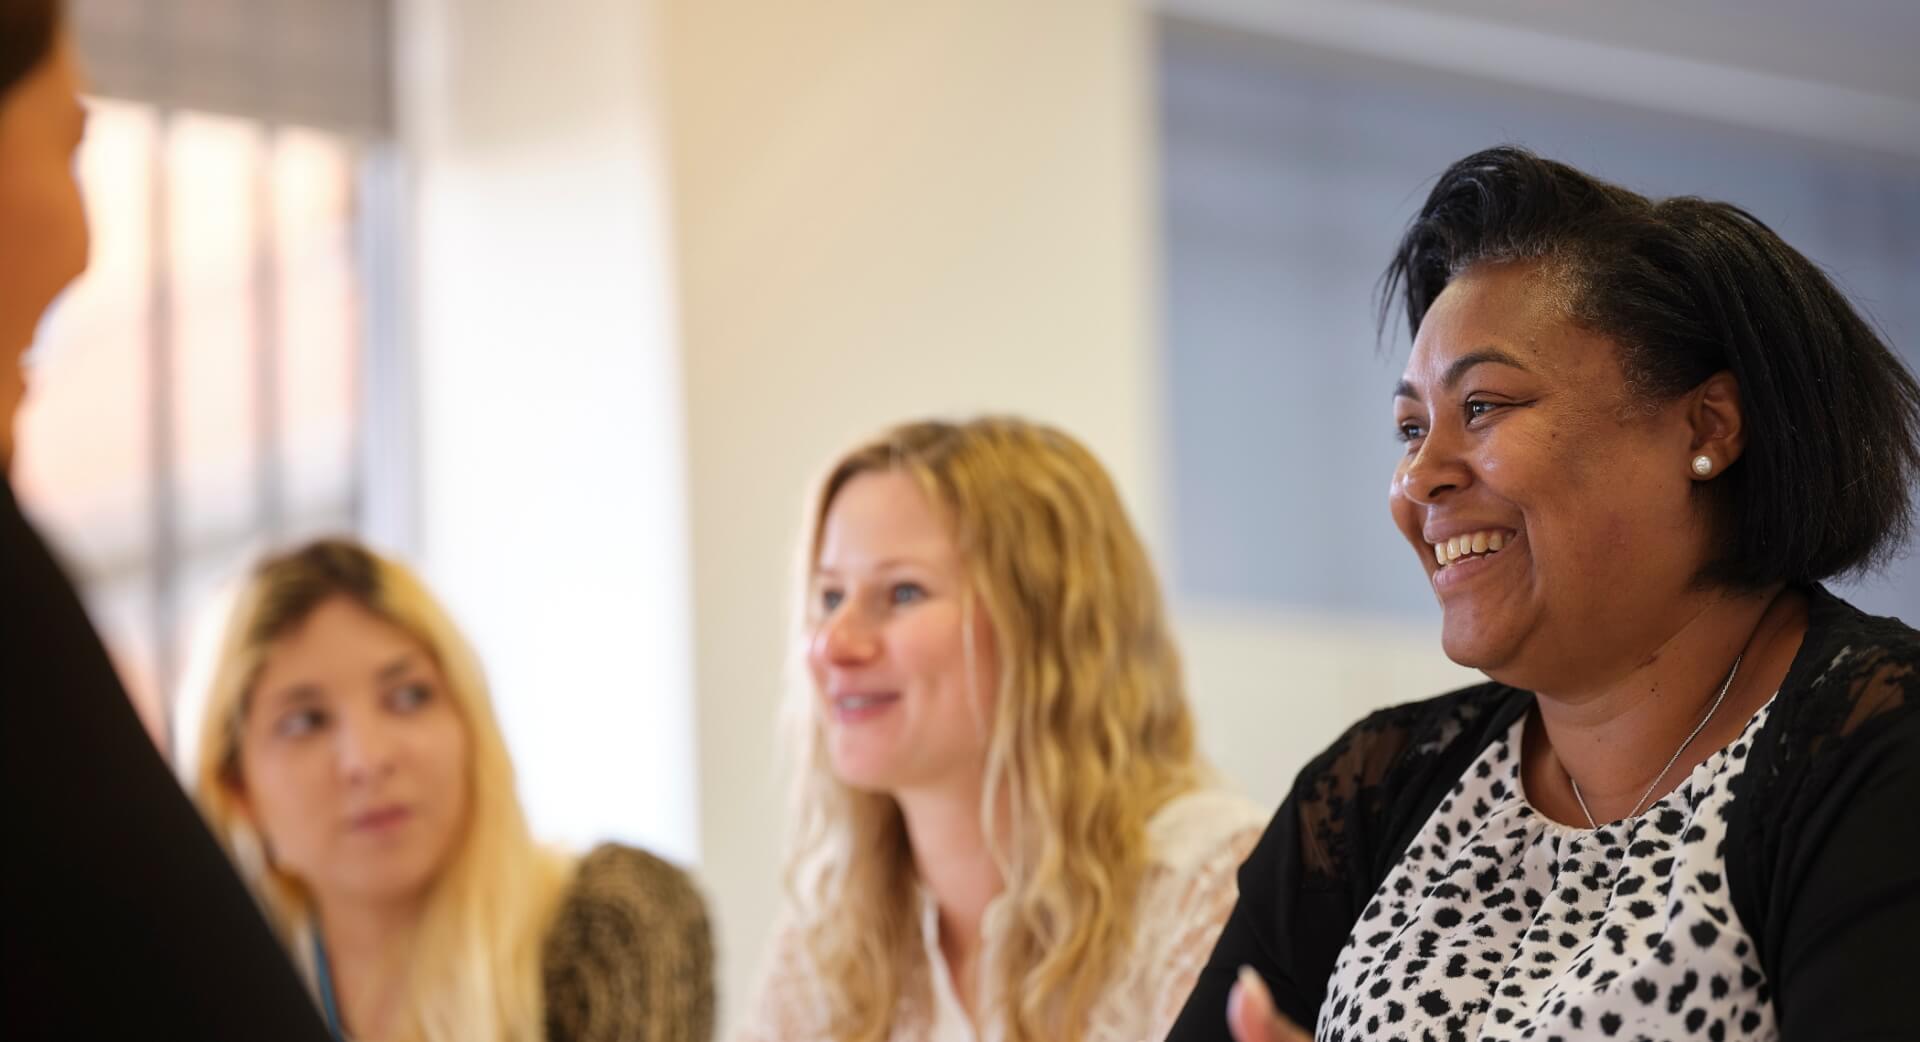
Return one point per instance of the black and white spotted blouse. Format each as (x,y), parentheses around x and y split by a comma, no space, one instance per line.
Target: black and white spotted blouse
(1406,890)
(1500,923)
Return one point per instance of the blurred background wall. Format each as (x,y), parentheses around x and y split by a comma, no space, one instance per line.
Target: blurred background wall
(569,303)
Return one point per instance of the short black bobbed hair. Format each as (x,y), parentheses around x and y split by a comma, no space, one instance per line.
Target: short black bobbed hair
(26,38)
(1688,288)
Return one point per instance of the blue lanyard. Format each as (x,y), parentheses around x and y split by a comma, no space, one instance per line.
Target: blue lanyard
(328,1004)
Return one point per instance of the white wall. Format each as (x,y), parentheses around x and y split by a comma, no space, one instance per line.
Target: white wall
(884,210)
(1272,687)
(552,484)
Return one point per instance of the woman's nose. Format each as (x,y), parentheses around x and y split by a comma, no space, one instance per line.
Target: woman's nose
(845,638)
(365,745)
(1436,468)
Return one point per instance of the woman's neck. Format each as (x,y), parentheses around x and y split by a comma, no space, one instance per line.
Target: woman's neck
(954,862)
(368,947)
(1616,735)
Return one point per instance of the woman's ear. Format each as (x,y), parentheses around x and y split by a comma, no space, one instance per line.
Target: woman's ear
(1718,424)
(234,784)
(252,849)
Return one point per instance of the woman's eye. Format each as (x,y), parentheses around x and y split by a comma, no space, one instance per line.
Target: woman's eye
(830,600)
(1480,407)
(1408,431)
(409,697)
(908,593)
(300,722)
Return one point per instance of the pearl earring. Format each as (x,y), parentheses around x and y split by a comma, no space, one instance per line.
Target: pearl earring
(1703,465)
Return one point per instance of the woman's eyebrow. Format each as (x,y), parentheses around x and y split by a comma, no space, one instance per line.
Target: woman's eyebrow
(885,564)
(294,694)
(395,669)
(1481,356)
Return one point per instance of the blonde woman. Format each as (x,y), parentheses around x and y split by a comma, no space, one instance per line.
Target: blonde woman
(351,762)
(1003,828)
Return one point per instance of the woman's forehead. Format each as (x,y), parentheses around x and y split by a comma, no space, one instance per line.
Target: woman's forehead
(1514,313)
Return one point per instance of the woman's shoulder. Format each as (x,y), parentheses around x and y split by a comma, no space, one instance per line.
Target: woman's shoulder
(1856,675)
(1195,827)
(1355,806)
(630,951)
(1850,653)
(1820,854)
(1845,721)
(629,876)
(1400,739)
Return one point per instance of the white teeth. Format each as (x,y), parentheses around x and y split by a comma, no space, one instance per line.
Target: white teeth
(1453,548)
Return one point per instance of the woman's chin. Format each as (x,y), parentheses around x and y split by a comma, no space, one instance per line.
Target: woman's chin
(1471,643)
(864,774)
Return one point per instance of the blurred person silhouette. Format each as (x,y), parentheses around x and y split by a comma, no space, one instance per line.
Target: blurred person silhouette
(1003,828)
(119,917)
(350,759)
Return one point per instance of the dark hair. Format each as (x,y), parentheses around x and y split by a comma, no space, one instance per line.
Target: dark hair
(291,587)
(26,37)
(1688,288)
(300,580)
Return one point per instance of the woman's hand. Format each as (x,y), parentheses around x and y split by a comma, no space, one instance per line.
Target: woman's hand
(1251,1016)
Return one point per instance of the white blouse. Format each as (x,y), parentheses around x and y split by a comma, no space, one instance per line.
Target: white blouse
(1196,844)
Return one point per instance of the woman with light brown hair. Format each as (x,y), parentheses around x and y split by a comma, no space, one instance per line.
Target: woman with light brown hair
(1003,828)
(350,760)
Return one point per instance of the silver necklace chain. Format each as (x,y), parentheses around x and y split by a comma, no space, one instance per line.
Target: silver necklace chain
(1671,760)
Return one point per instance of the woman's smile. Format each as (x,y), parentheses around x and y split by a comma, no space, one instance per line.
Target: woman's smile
(1467,558)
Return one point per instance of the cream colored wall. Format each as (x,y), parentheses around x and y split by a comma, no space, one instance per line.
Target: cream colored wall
(1272,688)
(884,210)
(552,496)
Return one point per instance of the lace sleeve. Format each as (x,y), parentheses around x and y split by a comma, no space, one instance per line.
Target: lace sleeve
(787,1005)
(1827,871)
(1203,903)
(1350,815)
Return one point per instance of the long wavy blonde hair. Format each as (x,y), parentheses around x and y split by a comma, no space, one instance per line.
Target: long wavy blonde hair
(475,959)
(1090,735)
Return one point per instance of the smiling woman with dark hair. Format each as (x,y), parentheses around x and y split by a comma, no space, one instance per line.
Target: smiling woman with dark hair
(119,918)
(1639,434)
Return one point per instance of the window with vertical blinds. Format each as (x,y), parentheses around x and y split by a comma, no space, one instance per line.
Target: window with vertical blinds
(323,64)
(204,392)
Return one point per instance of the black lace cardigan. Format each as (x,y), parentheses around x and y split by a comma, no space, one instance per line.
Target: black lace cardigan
(1823,834)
